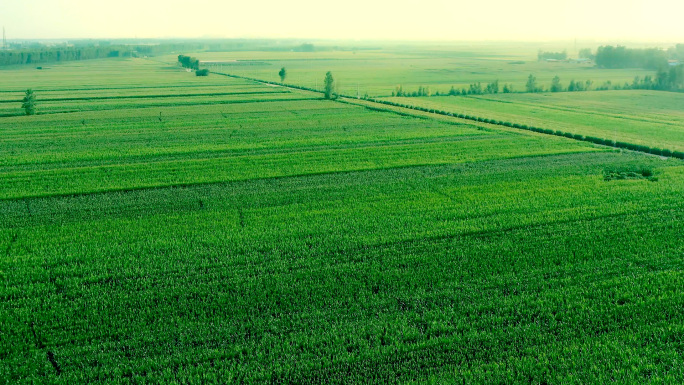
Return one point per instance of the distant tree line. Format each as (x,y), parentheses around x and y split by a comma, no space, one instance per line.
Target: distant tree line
(552,55)
(556,85)
(472,89)
(623,57)
(666,79)
(677,52)
(51,55)
(39,54)
(422,91)
(306,47)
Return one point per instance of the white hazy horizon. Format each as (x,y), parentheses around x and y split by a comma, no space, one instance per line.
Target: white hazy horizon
(435,20)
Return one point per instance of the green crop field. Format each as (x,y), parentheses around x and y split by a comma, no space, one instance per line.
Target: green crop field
(158,227)
(378,71)
(651,118)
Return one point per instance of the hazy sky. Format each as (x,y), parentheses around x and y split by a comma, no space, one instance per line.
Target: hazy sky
(354,19)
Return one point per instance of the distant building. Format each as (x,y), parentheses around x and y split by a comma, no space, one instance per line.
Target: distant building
(673,63)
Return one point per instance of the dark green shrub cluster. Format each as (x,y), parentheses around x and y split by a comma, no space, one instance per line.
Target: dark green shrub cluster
(202,72)
(629,173)
(188,62)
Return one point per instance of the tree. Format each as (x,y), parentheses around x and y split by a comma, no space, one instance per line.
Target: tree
(29,102)
(282,74)
(329,86)
(475,89)
(556,85)
(585,53)
(531,85)
(202,72)
(492,88)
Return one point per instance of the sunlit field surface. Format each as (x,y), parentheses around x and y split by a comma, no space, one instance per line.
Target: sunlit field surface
(161,227)
(378,71)
(652,118)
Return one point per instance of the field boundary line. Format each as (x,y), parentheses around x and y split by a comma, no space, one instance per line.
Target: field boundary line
(571,110)
(158,96)
(276,177)
(591,139)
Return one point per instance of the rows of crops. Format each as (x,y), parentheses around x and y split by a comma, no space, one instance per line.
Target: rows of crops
(405,273)
(650,118)
(149,147)
(100,75)
(308,241)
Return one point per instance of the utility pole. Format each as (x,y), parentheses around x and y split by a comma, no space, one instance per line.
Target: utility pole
(4,39)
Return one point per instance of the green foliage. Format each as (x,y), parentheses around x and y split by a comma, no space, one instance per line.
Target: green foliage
(552,55)
(188,62)
(556,85)
(631,172)
(202,72)
(29,102)
(282,74)
(492,88)
(670,79)
(623,57)
(306,47)
(329,86)
(39,53)
(475,89)
(586,53)
(531,85)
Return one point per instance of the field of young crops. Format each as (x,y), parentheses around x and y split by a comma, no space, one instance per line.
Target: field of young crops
(154,229)
(651,118)
(377,72)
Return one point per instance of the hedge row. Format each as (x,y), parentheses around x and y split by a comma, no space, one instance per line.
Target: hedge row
(592,139)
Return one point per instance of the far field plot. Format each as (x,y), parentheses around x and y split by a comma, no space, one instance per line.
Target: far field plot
(652,118)
(377,72)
